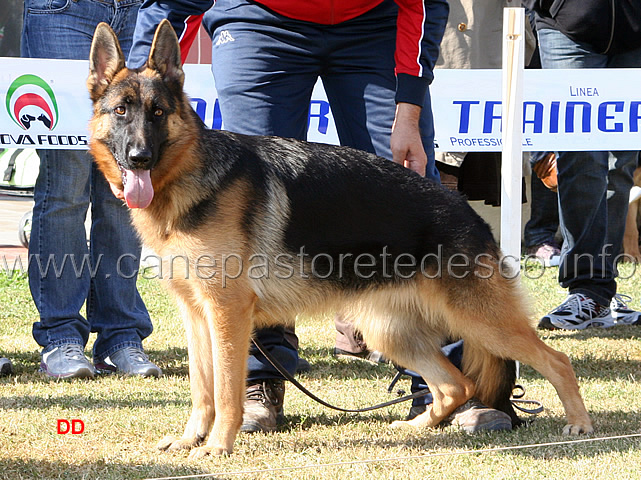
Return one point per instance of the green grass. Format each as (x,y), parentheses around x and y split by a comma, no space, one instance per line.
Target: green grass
(124,417)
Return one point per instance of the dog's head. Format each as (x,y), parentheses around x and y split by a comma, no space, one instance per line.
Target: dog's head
(132,122)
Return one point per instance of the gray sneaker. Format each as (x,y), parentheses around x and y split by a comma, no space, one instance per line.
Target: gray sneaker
(66,361)
(622,314)
(5,366)
(131,361)
(578,312)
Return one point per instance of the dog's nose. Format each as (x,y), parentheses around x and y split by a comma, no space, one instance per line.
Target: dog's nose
(139,157)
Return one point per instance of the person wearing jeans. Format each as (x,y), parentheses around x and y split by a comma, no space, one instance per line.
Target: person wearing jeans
(593,187)
(67,269)
(539,235)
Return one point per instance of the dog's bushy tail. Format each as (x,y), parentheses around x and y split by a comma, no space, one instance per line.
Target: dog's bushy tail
(494,378)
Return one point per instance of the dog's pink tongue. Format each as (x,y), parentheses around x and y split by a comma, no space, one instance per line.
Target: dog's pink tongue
(138,188)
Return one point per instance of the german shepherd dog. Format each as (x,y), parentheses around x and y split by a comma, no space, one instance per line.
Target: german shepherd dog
(306,228)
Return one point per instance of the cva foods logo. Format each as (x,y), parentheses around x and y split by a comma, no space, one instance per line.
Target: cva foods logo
(30,101)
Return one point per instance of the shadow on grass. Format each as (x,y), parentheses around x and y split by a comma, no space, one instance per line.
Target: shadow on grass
(533,442)
(615,333)
(173,361)
(384,417)
(538,438)
(86,402)
(324,363)
(17,469)
(589,367)
(592,365)
(607,425)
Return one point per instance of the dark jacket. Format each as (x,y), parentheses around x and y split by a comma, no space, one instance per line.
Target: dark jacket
(608,26)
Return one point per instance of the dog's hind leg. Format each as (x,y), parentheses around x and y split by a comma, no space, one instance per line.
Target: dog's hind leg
(392,322)
(527,347)
(201,382)
(449,387)
(231,327)
(498,324)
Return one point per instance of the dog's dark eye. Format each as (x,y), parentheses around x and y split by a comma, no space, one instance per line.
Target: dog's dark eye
(120,110)
(159,112)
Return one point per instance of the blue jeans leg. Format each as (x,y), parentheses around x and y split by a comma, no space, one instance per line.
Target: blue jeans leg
(115,310)
(544,214)
(63,29)
(66,271)
(61,200)
(593,186)
(273,339)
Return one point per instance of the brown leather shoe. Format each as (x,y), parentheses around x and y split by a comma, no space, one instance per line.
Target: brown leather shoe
(471,417)
(546,170)
(263,406)
(474,417)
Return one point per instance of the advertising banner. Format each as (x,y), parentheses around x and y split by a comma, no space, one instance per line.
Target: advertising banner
(45,104)
(574,110)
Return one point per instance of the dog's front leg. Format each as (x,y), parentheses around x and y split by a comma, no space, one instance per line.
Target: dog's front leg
(231,332)
(201,381)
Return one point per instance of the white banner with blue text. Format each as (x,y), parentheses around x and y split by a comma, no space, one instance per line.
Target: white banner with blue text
(45,104)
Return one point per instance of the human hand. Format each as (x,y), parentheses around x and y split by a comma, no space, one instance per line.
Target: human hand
(406,144)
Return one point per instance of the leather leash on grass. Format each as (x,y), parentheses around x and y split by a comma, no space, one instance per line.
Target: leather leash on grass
(421,393)
(288,376)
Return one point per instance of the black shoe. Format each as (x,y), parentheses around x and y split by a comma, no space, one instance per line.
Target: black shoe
(263,406)
(5,366)
(303,365)
(415,411)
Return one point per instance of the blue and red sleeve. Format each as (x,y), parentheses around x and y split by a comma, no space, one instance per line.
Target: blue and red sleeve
(420,28)
(184,15)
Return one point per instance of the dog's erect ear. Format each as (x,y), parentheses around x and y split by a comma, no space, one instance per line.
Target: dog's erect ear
(105,60)
(165,55)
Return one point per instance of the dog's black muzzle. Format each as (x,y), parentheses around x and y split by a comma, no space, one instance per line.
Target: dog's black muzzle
(139,158)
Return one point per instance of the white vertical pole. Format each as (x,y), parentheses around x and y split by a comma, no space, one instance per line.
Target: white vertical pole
(512,134)
(512,124)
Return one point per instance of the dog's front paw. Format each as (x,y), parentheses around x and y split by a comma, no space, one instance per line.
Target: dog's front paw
(201,452)
(166,442)
(577,429)
(420,421)
(399,424)
(171,443)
